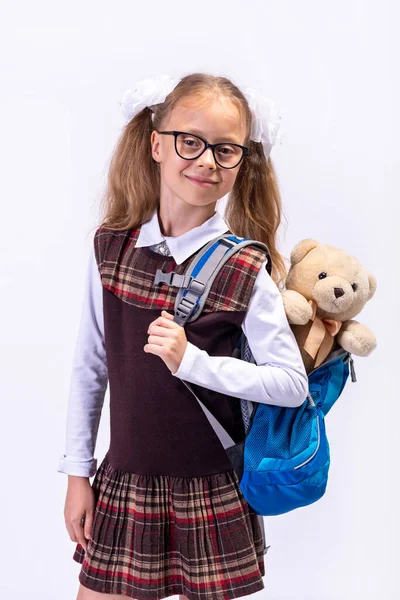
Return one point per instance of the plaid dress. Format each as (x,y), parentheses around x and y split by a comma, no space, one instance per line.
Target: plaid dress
(170,517)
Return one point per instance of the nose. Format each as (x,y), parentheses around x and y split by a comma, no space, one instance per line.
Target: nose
(207,159)
(338,292)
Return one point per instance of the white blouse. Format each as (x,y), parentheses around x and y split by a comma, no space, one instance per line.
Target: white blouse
(277,378)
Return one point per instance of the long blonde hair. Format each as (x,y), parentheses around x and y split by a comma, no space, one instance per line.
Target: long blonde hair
(254,208)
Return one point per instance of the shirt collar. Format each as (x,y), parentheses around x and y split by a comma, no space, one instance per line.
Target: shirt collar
(182,246)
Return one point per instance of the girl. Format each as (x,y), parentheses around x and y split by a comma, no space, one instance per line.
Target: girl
(165,514)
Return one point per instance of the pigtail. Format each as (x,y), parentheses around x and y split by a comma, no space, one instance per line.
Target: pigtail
(132,192)
(254,209)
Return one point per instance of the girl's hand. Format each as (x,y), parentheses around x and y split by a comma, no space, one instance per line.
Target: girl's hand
(167,340)
(79,504)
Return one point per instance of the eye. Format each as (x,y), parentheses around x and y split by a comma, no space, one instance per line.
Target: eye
(354,286)
(322,275)
(190,142)
(225,150)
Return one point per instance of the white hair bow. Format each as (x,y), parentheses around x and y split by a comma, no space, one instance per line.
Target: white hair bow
(153,90)
(146,92)
(266,120)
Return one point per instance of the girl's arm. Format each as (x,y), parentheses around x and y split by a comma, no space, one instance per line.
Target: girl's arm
(278,378)
(89,380)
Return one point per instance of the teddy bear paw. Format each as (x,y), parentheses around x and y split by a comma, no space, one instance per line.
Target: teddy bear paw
(356,338)
(298,310)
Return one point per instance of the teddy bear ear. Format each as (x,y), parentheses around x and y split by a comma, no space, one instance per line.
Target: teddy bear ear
(302,249)
(372,285)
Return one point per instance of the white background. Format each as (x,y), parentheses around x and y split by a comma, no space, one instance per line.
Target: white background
(333,70)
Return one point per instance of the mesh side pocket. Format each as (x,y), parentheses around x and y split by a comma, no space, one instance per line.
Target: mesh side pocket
(276,432)
(279,432)
(246,406)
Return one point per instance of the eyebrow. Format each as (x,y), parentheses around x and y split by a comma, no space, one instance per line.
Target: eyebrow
(227,138)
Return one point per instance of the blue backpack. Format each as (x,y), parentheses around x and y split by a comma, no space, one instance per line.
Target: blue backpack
(283,461)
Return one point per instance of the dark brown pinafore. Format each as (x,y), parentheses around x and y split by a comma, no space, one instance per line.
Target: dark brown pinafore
(170,517)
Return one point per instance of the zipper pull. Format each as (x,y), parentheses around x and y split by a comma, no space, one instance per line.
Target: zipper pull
(352,370)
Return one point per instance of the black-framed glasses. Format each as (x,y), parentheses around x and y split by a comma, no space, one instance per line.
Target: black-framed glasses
(190,146)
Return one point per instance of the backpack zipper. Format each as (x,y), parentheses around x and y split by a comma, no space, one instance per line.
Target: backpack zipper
(348,358)
(352,369)
(318,442)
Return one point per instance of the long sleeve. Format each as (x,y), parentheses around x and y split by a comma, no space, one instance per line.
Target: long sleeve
(278,377)
(89,379)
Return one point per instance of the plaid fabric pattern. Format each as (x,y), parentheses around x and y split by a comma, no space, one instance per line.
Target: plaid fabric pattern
(155,536)
(129,273)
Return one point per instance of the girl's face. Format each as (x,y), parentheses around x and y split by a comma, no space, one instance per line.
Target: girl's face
(218,122)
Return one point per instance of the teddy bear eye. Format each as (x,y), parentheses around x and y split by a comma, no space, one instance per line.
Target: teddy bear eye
(322,275)
(354,286)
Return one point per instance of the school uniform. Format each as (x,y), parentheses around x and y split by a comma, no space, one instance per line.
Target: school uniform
(170,517)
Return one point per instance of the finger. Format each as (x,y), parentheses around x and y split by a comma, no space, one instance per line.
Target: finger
(154,349)
(71,532)
(78,529)
(171,317)
(161,331)
(157,340)
(163,322)
(166,314)
(87,528)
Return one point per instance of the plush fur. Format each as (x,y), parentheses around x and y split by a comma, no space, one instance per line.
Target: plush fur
(325,289)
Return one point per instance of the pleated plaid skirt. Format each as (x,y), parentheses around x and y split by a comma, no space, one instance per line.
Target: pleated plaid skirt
(158,536)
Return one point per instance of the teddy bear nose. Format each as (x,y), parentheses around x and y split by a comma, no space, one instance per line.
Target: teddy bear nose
(338,292)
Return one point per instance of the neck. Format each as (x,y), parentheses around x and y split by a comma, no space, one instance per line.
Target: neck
(177,220)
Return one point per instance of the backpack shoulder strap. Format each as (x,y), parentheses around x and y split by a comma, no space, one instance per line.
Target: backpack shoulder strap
(202,272)
(194,287)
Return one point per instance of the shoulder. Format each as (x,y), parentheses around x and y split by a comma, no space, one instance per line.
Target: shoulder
(249,259)
(110,243)
(233,286)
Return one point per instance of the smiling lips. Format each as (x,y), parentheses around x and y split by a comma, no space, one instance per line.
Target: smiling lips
(201,181)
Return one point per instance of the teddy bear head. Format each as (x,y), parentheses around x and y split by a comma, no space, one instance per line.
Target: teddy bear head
(336,281)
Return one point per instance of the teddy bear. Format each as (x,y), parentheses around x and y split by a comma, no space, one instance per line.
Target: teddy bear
(325,289)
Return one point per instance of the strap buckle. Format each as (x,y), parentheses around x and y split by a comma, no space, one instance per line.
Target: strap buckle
(195,286)
(171,278)
(180,281)
(227,243)
(162,277)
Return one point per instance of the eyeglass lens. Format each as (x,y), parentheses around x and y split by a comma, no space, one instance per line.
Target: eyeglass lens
(190,146)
